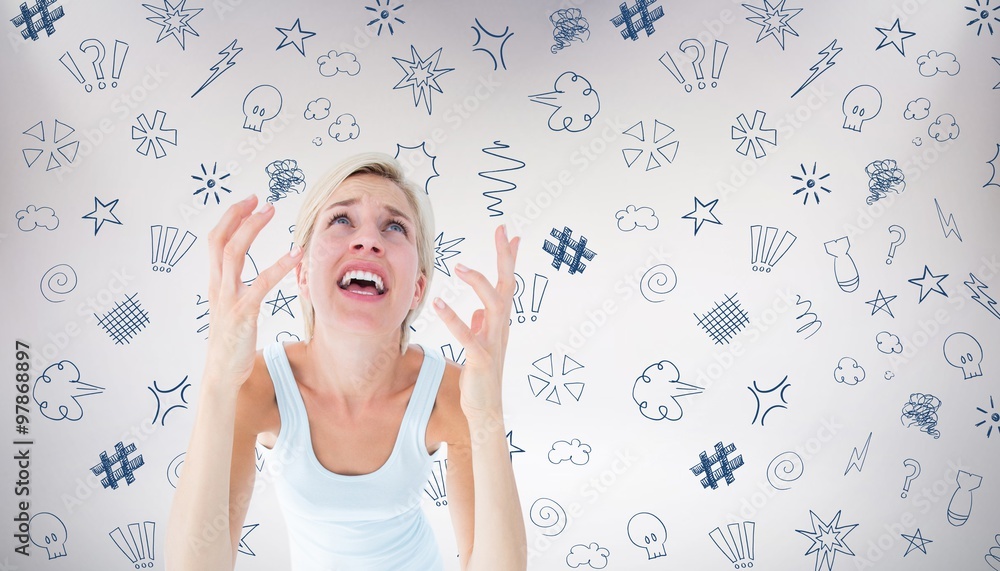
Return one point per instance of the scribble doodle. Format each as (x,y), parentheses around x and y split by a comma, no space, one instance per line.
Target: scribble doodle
(765,249)
(753,135)
(385,16)
(210,184)
(126,466)
(979,295)
(593,556)
(60,132)
(963,351)
(646,18)
(983,16)
(167,399)
(573,451)
(960,506)
(661,131)
(857,459)
(948,225)
(894,36)
(261,104)
(657,390)
(421,76)
(881,303)
(992,416)
(724,320)
(784,469)
(773,20)
(97,46)
(568,24)
(574,262)
(57,389)
(103,212)
(768,400)
(827,540)
(719,51)
(228,60)
(916,541)
(547,514)
(334,62)
(574,101)
(884,177)
(861,104)
(294,36)
(648,532)
(510,164)
(844,269)
(174,20)
(934,62)
(498,40)
(848,371)
(538,287)
(809,183)
(436,488)
(45,20)
(921,411)
(152,136)
(810,321)
(657,282)
(48,532)
(725,470)
(703,212)
(738,546)
(285,177)
(632,217)
(138,545)
(125,320)
(825,63)
(59,280)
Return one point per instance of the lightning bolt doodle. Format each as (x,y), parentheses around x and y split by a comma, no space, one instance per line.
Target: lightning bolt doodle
(858,460)
(443,251)
(948,225)
(228,54)
(978,290)
(507,185)
(828,53)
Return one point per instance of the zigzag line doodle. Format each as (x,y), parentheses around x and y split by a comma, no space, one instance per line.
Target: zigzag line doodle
(506,185)
(815,319)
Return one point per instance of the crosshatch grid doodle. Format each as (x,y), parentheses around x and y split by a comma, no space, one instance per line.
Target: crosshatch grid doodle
(630,145)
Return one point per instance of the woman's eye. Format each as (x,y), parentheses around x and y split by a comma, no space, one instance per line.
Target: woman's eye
(335,219)
(397,226)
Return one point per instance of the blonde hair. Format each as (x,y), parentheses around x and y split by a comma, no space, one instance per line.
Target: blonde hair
(382,165)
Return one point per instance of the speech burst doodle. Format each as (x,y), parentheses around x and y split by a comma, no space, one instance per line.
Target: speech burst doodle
(574,101)
(57,390)
(657,390)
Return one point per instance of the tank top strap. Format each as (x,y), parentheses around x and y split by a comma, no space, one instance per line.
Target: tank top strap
(286,392)
(425,394)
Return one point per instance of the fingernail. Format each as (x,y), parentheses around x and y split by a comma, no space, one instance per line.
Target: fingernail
(503,229)
(249,198)
(459,267)
(267,208)
(438,303)
(296,251)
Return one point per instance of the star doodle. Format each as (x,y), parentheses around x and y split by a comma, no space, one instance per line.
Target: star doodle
(773,20)
(174,20)
(421,76)
(914,539)
(511,447)
(921,281)
(103,213)
(894,36)
(294,36)
(243,547)
(827,539)
(280,303)
(881,303)
(702,213)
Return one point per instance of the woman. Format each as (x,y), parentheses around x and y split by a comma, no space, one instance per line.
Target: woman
(353,414)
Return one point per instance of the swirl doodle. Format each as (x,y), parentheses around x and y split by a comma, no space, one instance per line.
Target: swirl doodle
(783,469)
(548,515)
(59,280)
(657,282)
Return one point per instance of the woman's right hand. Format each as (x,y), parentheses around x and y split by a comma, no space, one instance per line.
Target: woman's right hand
(234,306)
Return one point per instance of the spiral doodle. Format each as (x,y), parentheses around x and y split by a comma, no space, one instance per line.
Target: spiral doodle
(783,469)
(548,515)
(657,282)
(59,280)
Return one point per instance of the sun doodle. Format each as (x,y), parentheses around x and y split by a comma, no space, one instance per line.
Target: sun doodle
(811,184)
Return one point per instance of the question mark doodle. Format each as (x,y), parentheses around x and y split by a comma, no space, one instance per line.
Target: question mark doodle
(98,62)
(699,49)
(914,472)
(899,239)
(518,292)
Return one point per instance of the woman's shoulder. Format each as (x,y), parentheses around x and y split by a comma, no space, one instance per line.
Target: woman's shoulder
(448,422)
(258,405)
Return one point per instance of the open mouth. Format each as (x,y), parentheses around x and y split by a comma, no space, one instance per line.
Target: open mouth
(364,283)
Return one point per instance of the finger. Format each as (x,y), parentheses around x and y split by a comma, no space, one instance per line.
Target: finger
(270,277)
(458,329)
(478,317)
(482,286)
(234,253)
(506,251)
(220,235)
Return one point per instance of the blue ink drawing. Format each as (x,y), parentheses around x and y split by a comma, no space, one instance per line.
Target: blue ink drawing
(752,136)
(963,351)
(568,24)
(57,389)
(914,467)
(385,16)
(174,469)
(784,469)
(547,514)
(768,400)
(574,451)
(657,282)
(983,16)
(285,177)
(261,104)
(925,287)
(921,411)
(809,182)
(421,76)
(825,63)
(703,212)
(228,60)
(993,556)
(137,546)
(773,20)
(152,136)
(658,389)
(125,320)
(493,46)
(294,36)
(574,262)
(126,466)
(916,541)
(738,546)
(280,303)
(765,250)
(60,131)
(167,250)
(418,164)
(48,532)
(979,295)
(631,218)
(436,488)
(694,45)
(857,459)
(244,547)
(810,321)
(848,371)
(861,104)
(443,251)
(917,109)
(827,540)
(881,303)
(574,100)
(884,176)
(934,62)
(668,151)
(204,324)
(32,217)
(992,417)
(899,236)
(960,506)
(317,109)
(894,36)
(593,556)
(511,447)
(510,164)
(538,288)
(210,184)
(888,343)
(648,532)
(45,19)
(725,470)
(97,46)
(539,385)
(169,399)
(645,20)
(103,212)
(944,128)
(845,271)
(344,128)
(948,225)
(724,320)
(996,60)
(59,280)
(335,62)
(174,20)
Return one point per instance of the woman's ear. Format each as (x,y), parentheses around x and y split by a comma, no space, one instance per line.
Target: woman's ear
(418,293)
(301,277)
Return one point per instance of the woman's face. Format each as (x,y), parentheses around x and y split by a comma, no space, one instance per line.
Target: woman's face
(361,270)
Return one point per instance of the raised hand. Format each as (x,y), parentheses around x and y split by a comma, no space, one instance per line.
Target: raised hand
(234,306)
(485,342)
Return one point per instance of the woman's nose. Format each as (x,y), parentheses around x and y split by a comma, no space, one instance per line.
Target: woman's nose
(367,237)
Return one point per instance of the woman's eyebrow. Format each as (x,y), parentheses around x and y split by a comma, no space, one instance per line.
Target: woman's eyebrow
(352,201)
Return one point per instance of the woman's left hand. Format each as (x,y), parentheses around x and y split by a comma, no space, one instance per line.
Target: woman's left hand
(485,342)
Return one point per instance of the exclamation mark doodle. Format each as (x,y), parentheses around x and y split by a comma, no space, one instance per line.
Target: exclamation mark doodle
(138,546)
(518,292)
(719,52)
(67,60)
(537,293)
(166,249)
(674,70)
(121,48)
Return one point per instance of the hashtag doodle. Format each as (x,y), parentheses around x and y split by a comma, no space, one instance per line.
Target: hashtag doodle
(724,320)
(725,469)
(44,21)
(646,18)
(558,251)
(126,468)
(125,320)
